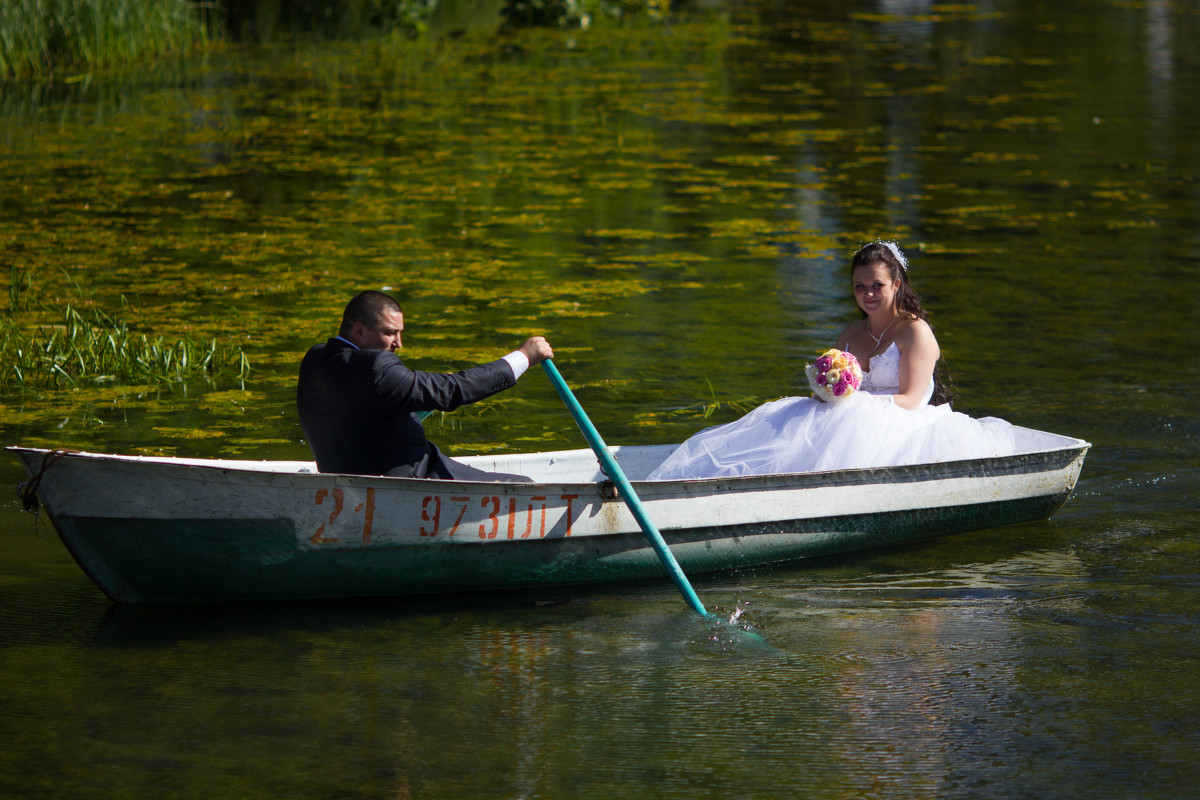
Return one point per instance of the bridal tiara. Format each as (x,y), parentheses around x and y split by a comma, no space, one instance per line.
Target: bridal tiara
(895,248)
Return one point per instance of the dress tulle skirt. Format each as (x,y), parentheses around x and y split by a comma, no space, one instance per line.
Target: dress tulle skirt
(799,434)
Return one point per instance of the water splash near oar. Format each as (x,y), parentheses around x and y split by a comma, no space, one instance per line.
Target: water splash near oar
(617,476)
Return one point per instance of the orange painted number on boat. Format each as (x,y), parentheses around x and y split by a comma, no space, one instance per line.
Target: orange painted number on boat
(529,519)
(568,498)
(512,517)
(368,508)
(339,498)
(495,520)
(466,501)
(484,533)
(434,517)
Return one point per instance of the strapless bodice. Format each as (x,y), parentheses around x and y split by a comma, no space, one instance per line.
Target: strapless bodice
(883,377)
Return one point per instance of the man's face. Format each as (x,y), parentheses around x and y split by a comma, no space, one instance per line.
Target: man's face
(384,335)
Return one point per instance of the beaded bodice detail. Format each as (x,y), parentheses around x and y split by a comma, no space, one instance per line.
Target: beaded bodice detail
(884,375)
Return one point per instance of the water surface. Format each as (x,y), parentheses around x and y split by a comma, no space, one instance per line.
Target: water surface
(674,206)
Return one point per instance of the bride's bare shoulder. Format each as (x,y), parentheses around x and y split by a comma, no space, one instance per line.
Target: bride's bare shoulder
(917,337)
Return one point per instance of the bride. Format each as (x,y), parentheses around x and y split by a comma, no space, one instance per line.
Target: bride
(901,415)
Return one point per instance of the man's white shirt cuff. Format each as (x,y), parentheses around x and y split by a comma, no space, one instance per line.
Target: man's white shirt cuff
(519,363)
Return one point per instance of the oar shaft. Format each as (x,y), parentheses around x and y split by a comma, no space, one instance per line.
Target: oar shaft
(617,475)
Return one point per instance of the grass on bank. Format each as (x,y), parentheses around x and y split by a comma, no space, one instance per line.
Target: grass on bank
(93,347)
(41,37)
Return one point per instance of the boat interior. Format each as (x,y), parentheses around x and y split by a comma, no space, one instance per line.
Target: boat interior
(560,466)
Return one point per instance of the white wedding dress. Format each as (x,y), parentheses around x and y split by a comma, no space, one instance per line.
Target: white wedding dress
(799,434)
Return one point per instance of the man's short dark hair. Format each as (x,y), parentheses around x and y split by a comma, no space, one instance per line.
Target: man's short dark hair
(368,308)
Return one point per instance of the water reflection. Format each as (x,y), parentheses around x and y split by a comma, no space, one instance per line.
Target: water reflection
(879,673)
(674,205)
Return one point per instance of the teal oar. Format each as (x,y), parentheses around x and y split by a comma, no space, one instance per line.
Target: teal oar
(617,475)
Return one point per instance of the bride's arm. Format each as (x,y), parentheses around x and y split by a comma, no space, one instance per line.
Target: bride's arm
(919,353)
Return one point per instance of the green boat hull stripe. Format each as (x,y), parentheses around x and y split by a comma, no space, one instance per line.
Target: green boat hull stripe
(204,560)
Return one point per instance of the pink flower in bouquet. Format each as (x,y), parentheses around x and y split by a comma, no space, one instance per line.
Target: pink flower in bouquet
(834,375)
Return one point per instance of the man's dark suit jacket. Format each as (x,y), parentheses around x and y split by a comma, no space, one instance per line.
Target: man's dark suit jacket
(356,408)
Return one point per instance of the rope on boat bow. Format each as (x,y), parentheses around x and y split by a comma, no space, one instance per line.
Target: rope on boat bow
(27,491)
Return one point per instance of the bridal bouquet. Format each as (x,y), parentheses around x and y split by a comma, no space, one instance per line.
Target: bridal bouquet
(834,376)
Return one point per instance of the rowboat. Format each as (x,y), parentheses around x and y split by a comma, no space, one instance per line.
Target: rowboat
(172,530)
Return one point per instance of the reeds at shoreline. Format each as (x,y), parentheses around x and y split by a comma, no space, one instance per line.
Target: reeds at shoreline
(89,347)
(39,36)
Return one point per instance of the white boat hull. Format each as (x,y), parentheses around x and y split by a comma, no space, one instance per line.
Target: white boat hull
(181,530)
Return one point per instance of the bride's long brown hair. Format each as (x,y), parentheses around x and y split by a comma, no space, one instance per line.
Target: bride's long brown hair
(907,303)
